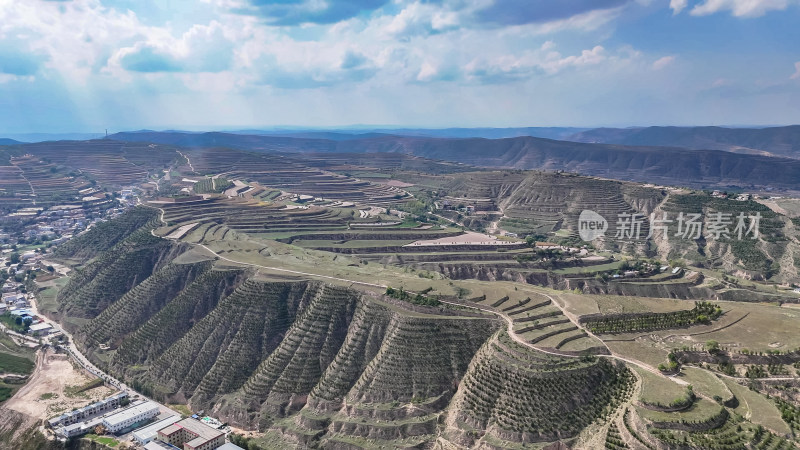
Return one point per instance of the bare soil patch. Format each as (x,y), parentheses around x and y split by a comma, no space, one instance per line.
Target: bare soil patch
(45,394)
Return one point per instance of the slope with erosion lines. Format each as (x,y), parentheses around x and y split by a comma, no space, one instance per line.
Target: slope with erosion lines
(106,234)
(512,394)
(141,347)
(140,303)
(113,273)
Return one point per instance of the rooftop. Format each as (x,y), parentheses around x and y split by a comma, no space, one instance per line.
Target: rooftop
(195,427)
(229,446)
(150,431)
(125,414)
(41,326)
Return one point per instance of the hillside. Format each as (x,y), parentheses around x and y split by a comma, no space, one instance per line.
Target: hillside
(669,165)
(776,141)
(307,362)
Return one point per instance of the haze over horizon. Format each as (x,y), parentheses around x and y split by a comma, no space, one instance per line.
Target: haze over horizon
(234,64)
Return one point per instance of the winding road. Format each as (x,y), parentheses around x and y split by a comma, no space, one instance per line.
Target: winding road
(509,321)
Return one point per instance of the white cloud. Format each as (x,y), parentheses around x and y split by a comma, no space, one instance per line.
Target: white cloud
(740,8)
(796,75)
(663,62)
(508,67)
(427,72)
(678,5)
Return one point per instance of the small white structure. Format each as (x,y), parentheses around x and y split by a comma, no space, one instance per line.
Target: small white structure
(41,329)
(130,416)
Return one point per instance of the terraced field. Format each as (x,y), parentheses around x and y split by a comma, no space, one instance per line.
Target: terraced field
(518,395)
(292,175)
(271,314)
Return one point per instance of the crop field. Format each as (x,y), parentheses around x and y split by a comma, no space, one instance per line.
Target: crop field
(16,363)
(659,390)
(758,408)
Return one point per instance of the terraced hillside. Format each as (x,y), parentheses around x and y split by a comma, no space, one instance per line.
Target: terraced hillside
(700,168)
(315,364)
(106,234)
(114,272)
(547,205)
(511,394)
(290,174)
(27,180)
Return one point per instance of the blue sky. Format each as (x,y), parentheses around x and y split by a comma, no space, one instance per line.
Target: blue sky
(87,65)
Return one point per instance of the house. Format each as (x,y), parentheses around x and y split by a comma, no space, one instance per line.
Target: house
(191,434)
(10,299)
(41,329)
(131,416)
(87,411)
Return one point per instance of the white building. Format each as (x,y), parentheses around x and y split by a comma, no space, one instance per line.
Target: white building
(41,329)
(148,433)
(130,416)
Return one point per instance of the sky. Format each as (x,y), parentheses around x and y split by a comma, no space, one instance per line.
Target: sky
(91,65)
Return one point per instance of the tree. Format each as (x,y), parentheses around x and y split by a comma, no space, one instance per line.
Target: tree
(51,269)
(26,324)
(712,347)
(14,258)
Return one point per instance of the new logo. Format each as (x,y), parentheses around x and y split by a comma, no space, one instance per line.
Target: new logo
(591,225)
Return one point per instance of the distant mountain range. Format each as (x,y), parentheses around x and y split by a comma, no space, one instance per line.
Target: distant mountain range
(6,141)
(778,141)
(668,165)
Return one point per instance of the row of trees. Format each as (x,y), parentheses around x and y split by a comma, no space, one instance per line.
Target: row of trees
(702,313)
(417,299)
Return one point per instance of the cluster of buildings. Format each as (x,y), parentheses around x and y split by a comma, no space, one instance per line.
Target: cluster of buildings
(15,303)
(149,428)
(58,223)
(108,414)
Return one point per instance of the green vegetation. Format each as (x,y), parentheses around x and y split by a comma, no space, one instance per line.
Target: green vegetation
(77,391)
(106,235)
(614,439)
(702,313)
(105,440)
(10,363)
(210,185)
(17,324)
(15,360)
(339,362)
(417,299)
(512,387)
(734,433)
